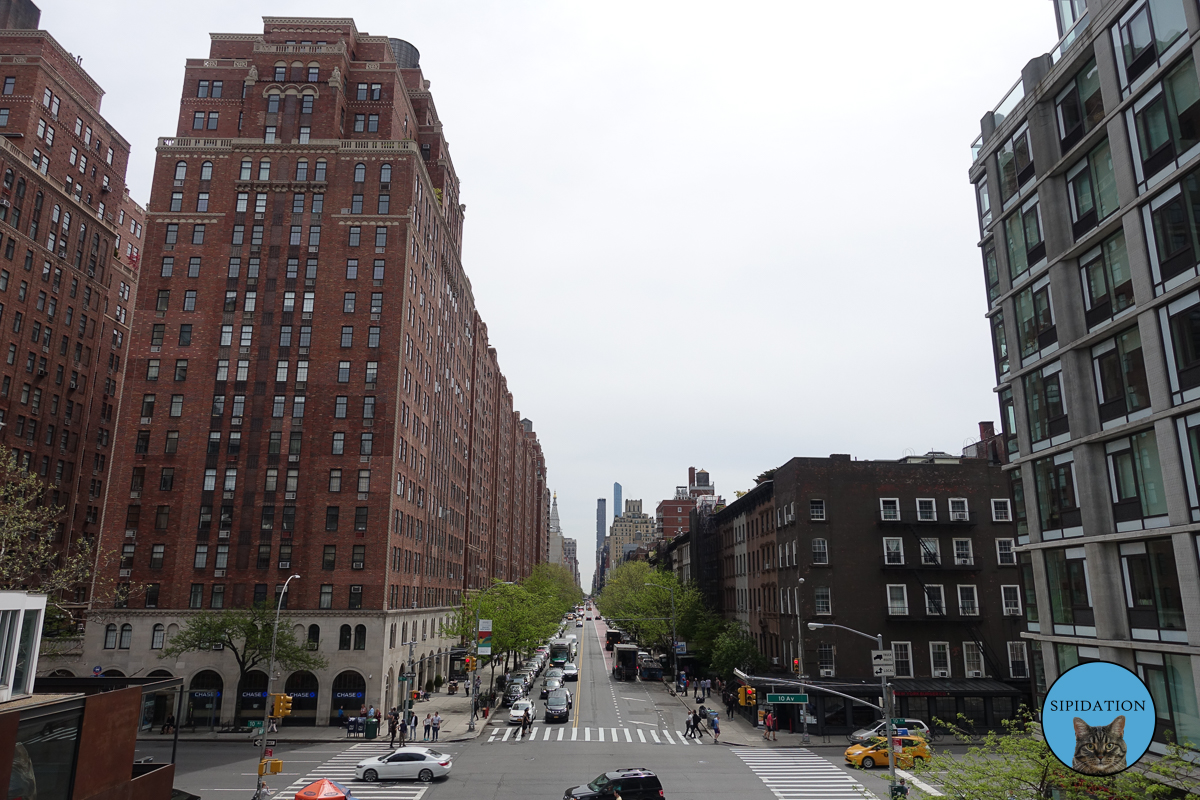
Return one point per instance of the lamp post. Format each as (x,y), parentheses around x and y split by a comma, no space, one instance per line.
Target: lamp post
(270,679)
(674,638)
(887,698)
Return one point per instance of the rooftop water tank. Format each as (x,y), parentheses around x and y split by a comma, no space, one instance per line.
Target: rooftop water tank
(407,56)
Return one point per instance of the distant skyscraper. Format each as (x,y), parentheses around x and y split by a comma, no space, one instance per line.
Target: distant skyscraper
(617,500)
(601,521)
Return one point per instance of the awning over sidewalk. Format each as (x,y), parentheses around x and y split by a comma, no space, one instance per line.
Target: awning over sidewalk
(951,687)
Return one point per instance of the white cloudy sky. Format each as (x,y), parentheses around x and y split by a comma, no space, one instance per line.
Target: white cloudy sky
(709,234)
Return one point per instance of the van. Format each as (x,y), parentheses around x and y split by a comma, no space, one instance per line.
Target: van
(915,727)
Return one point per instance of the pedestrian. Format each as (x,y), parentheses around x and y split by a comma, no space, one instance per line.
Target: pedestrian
(774,728)
(689,729)
(716,729)
(698,725)
(437,724)
(272,724)
(767,725)
(412,724)
(706,685)
(392,729)
(428,726)
(901,790)
(526,724)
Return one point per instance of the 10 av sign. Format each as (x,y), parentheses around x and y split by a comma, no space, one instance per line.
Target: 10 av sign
(787,698)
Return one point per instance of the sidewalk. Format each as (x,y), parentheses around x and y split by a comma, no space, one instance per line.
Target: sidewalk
(739,732)
(454,709)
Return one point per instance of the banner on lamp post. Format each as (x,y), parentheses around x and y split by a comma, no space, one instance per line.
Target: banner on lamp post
(485,637)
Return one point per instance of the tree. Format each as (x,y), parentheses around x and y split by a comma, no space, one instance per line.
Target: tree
(246,635)
(34,553)
(1016,763)
(765,475)
(735,649)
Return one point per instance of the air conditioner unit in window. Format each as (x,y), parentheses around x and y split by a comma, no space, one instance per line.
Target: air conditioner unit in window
(1012,611)
(135,495)
(356,565)
(975,673)
(964,561)
(960,516)
(285,565)
(222,534)
(218,646)
(218,573)
(124,573)
(941,673)
(774,659)
(130,533)
(826,673)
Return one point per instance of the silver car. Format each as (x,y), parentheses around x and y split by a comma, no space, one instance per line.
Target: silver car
(412,763)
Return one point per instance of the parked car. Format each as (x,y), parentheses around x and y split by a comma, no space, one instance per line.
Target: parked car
(913,749)
(558,706)
(632,784)
(915,727)
(518,711)
(570,672)
(413,763)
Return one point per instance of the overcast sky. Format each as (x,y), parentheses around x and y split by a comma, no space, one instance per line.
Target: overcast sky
(701,234)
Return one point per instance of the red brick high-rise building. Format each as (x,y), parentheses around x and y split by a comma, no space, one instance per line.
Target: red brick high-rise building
(69,247)
(312,390)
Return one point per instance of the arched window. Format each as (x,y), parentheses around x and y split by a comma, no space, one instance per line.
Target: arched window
(314,637)
(180,170)
(264,169)
(302,170)
(404,633)
(360,173)
(820,551)
(247,168)
(319,172)
(206,171)
(110,636)
(126,636)
(385,173)
(360,637)
(344,638)
(158,636)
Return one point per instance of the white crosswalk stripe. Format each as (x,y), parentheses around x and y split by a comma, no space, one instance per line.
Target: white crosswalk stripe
(606,736)
(340,768)
(800,774)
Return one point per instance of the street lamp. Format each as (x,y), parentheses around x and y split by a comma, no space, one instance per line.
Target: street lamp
(674,639)
(887,698)
(270,678)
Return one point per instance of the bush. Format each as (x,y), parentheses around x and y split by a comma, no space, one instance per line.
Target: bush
(429,685)
(438,680)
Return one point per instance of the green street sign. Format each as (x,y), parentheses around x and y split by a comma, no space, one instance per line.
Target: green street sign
(899,722)
(787,698)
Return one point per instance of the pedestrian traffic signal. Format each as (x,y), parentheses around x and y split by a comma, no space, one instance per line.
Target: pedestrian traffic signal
(796,665)
(282,705)
(741,695)
(751,699)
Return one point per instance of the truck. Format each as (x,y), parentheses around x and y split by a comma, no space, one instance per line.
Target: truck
(611,638)
(625,665)
(560,652)
(650,670)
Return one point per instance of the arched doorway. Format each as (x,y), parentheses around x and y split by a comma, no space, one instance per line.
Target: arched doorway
(252,697)
(204,699)
(62,673)
(303,688)
(164,702)
(112,673)
(349,692)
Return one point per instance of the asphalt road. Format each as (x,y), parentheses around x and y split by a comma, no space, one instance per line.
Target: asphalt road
(614,724)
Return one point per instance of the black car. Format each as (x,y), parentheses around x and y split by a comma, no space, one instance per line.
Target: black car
(513,693)
(558,706)
(633,784)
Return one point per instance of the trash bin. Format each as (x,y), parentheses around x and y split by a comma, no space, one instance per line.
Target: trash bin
(372,727)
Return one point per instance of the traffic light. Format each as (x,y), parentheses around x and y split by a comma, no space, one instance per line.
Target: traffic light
(282,705)
(796,665)
(741,695)
(751,699)
(274,766)
(470,664)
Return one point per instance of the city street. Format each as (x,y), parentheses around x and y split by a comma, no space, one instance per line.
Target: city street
(614,724)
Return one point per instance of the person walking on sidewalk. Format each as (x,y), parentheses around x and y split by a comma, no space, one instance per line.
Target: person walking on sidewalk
(437,724)
(767,725)
(392,729)
(716,729)
(412,723)
(428,726)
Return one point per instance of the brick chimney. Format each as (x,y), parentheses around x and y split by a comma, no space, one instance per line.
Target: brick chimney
(691,476)
(987,430)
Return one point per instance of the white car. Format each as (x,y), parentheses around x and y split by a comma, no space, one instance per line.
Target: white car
(518,711)
(413,763)
(570,672)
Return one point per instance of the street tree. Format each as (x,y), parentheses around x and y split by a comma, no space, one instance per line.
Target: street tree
(1017,764)
(245,634)
(735,649)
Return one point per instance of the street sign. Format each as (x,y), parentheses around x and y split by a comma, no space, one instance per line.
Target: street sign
(787,698)
(880,671)
(254,723)
(884,658)
(484,647)
(268,753)
(271,742)
(680,648)
(96,670)
(898,720)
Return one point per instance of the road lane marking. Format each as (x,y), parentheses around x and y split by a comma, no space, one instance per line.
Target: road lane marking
(587,734)
(654,735)
(668,735)
(636,722)
(495,733)
(574,733)
(507,733)
(920,784)
(546,738)
(641,735)
(627,737)
(682,740)
(561,731)
(600,731)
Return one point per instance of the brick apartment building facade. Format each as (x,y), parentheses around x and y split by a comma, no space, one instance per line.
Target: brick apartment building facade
(313,390)
(69,248)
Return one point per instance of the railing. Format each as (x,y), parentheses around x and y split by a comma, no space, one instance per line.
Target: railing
(1015,95)
(1069,38)
(262,47)
(194,141)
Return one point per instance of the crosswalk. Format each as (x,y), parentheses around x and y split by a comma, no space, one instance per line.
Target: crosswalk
(800,774)
(563,733)
(340,768)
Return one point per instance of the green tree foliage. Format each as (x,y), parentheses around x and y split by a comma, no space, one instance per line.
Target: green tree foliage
(1016,764)
(735,649)
(765,475)
(246,635)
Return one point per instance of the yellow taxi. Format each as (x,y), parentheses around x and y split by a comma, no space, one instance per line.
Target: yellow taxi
(874,751)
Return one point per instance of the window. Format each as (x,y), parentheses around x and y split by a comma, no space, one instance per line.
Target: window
(889,509)
(822,600)
(1015,158)
(926,510)
(1048,422)
(344,633)
(1079,107)
(897,599)
(935,600)
(326,601)
(1092,188)
(347,336)
(820,551)
(343,372)
(1163,123)
(1145,33)
(1023,239)
(902,658)
(201,560)
(1018,664)
(1010,597)
(1035,321)
(973,660)
(1135,477)
(991,271)
(306,103)
(157,634)
(958,510)
(931,552)
(1058,507)
(964,555)
(816,510)
(939,659)
(356,594)
(1005,554)
(1000,510)
(1122,388)
(1070,592)
(331,518)
(1107,282)
(825,659)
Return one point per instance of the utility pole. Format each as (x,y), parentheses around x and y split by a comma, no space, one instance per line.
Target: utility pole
(262,753)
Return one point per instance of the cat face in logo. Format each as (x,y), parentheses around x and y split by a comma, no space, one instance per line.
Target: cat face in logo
(1099,749)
